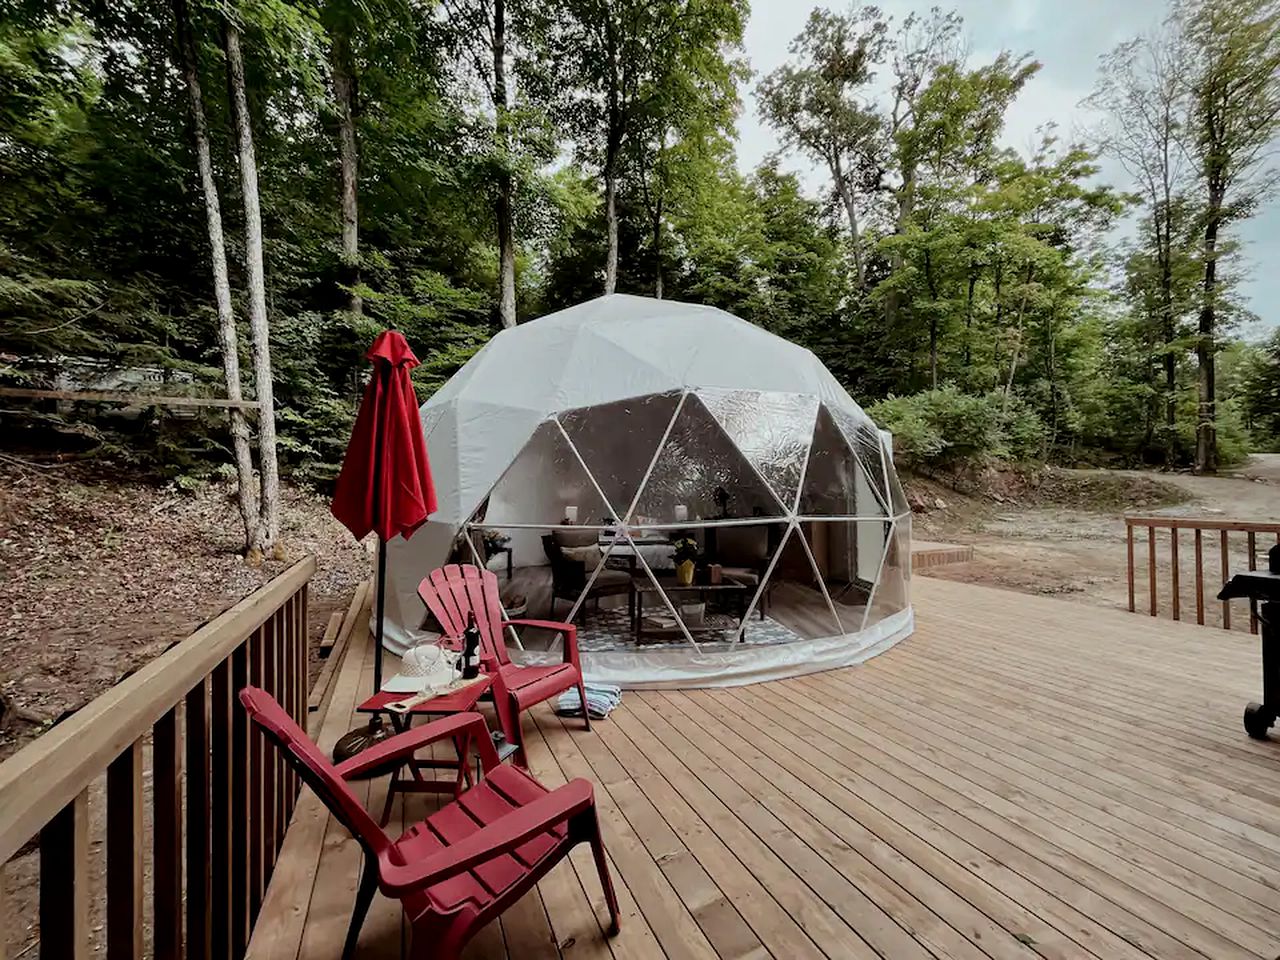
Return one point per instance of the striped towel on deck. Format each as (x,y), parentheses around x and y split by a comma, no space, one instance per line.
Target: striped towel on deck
(601,699)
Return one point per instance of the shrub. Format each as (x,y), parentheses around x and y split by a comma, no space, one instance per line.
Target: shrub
(946,428)
(1022,429)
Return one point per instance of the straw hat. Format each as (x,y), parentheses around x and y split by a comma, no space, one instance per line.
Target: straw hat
(422,668)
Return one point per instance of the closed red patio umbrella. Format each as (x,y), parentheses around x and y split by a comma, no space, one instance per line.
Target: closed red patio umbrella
(385,484)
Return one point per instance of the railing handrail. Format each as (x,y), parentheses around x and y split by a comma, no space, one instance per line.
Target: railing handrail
(47,774)
(1201,523)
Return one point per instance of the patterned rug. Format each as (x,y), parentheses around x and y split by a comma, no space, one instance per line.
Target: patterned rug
(610,629)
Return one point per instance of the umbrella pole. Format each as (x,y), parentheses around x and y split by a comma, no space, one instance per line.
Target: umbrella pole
(379,613)
(378,618)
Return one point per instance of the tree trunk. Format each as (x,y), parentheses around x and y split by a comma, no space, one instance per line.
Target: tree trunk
(657,248)
(505,216)
(1163,223)
(345,94)
(933,320)
(906,196)
(1052,364)
(269,502)
(228,340)
(1017,338)
(851,211)
(997,278)
(968,322)
(614,134)
(611,225)
(1206,421)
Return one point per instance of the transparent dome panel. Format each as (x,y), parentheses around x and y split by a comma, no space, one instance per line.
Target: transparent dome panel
(772,430)
(617,442)
(849,554)
(793,597)
(835,482)
(701,475)
(897,496)
(545,485)
(864,438)
(892,589)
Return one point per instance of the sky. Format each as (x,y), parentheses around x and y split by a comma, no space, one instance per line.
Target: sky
(1067,37)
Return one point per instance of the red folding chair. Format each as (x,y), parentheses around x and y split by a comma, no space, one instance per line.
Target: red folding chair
(455,590)
(467,862)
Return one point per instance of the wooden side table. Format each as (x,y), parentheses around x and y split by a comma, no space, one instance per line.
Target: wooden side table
(407,777)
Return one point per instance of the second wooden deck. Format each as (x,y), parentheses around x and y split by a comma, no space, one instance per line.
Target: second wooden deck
(1022,778)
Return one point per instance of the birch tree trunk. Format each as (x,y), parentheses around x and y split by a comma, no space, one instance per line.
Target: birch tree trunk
(504,206)
(611,225)
(1017,338)
(851,211)
(228,340)
(657,249)
(269,503)
(349,164)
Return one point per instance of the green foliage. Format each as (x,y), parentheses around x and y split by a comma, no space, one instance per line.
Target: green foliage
(964,280)
(1260,393)
(946,428)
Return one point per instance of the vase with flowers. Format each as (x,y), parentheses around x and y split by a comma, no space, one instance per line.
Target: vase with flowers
(684,552)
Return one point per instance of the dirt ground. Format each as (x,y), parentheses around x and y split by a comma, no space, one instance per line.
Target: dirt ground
(98,576)
(1077,550)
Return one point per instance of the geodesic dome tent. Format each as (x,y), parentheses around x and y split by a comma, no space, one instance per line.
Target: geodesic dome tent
(573,453)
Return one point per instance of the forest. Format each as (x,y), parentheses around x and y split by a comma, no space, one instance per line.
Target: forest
(232,197)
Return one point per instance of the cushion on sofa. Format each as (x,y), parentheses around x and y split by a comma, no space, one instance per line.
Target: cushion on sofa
(588,555)
(575,537)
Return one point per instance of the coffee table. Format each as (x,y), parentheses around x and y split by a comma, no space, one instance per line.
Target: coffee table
(730,591)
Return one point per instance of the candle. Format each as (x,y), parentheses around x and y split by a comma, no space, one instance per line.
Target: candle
(682,512)
(571,513)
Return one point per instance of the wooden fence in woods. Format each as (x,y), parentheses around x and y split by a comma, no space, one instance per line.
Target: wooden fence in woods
(207,832)
(1221,536)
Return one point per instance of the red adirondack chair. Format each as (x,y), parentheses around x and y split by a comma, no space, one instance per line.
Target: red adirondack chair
(468,861)
(453,591)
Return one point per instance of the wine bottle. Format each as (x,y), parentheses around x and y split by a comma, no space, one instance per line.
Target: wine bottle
(471,648)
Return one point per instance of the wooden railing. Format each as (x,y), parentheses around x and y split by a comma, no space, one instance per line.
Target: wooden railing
(1240,544)
(218,799)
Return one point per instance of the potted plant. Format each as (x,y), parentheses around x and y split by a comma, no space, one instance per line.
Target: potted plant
(685,554)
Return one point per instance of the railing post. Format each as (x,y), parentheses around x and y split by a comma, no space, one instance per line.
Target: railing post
(268,765)
(1199,578)
(1226,575)
(124,855)
(1128,535)
(1253,565)
(166,847)
(1151,567)
(64,883)
(1173,560)
(220,807)
(242,831)
(199,825)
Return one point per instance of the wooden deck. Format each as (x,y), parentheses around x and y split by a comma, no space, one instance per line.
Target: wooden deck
(1023,777)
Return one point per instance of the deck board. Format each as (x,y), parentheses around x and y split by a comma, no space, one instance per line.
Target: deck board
(1022,777)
